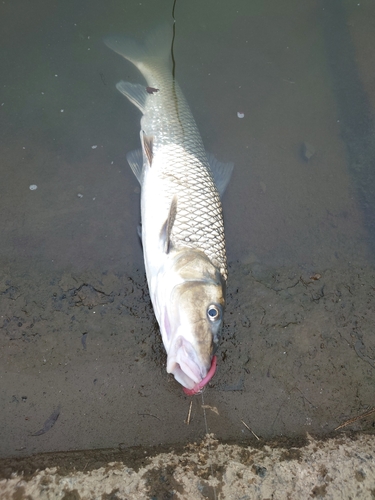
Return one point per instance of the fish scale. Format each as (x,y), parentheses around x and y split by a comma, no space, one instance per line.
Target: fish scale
(199,222)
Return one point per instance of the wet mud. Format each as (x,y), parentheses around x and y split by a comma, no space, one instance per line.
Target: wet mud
(83,365)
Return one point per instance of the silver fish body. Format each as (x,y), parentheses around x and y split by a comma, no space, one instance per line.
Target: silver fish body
(182,225)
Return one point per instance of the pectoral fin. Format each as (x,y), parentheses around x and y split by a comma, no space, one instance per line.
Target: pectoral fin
(221,171)
(166,230)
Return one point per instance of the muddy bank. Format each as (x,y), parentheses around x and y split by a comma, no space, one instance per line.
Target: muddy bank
(342,467)
(82,365)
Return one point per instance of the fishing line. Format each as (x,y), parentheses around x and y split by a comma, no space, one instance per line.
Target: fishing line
(173,38)
(174,64)
(208,444)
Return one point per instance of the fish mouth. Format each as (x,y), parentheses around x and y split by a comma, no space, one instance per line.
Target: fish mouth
(184,364)
(198,387)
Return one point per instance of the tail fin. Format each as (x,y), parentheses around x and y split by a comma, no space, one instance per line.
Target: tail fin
(155,49)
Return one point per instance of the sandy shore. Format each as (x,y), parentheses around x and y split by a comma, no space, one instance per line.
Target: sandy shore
(341,467)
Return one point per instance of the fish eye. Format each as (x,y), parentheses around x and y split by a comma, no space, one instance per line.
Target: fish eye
(213,312)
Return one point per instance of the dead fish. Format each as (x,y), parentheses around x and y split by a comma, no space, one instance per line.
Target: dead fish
(182,225)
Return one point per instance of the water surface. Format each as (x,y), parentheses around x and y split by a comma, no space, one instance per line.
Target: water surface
(297,353)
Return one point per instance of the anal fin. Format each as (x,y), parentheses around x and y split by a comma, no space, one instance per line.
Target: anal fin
(135,92)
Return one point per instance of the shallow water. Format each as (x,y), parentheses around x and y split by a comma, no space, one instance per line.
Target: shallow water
(77,330)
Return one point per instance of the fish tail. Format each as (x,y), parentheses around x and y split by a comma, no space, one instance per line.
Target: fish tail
(154,51)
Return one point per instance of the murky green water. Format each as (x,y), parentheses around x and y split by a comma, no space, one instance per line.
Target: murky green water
(297,353)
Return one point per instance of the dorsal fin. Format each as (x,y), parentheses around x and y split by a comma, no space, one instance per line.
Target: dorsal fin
(166,230)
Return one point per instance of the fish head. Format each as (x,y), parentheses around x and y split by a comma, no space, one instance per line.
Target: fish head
(193,319)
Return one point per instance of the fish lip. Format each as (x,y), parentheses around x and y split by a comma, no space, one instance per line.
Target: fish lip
(181,377)
(197,389)
(183,364)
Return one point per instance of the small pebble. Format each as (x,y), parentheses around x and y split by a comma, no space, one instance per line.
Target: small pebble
(33,187)
(307,151)
(94,147)
(240,114)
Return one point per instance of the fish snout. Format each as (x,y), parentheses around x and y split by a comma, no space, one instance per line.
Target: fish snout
(186,365)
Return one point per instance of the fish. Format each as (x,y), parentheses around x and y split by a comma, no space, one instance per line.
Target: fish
(182,229)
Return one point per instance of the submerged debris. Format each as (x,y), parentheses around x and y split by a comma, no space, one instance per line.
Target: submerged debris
(49,423)
(307,151)
(84,340)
